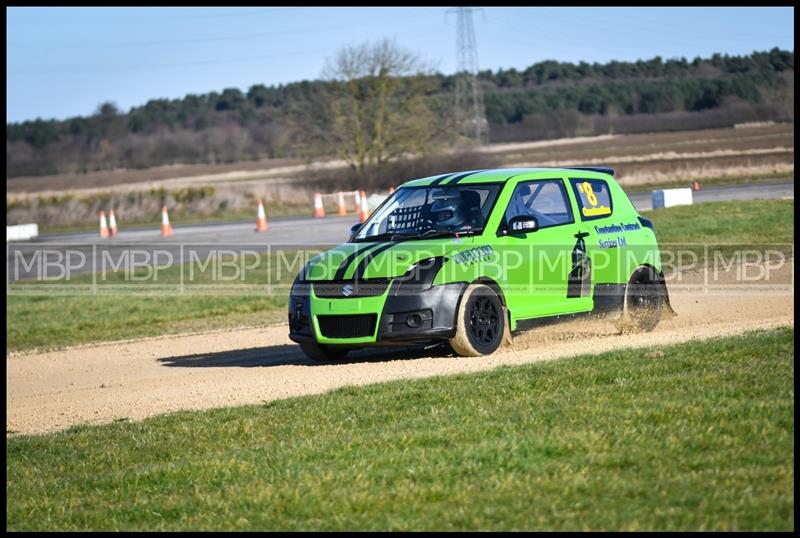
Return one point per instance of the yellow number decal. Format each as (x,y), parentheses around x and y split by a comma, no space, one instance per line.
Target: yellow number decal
(590,195)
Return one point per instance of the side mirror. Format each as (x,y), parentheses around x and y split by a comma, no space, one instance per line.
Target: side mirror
(353,229)
(522,224)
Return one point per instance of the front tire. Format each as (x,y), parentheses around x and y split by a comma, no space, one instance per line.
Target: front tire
(480,322)
(323,353)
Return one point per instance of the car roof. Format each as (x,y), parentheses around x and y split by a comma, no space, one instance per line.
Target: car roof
(501,175)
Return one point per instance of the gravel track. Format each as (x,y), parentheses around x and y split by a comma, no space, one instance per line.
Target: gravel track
(98,384)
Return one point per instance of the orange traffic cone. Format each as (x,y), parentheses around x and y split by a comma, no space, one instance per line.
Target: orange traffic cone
(363,212)
(261,219)
(391,190)
(695,185)
(166,227)
(112,224)
(319,211)
(357,198)
(103,225)
(342,207)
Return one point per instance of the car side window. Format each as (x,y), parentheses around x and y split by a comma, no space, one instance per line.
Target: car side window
(545,200)
(594,198)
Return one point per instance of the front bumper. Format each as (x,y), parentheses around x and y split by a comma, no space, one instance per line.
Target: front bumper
(407,312)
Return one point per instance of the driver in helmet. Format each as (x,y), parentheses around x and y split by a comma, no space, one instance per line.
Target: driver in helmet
(451,211)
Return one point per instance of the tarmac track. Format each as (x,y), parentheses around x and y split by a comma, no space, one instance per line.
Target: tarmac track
(288,233)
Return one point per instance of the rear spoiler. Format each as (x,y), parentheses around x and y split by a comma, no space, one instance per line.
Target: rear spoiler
(602,169)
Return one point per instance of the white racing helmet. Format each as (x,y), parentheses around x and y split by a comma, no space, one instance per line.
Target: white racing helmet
(448,212)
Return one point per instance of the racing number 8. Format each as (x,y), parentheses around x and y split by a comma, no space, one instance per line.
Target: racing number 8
(590,195)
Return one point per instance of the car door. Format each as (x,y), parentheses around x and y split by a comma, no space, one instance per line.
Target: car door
(605,241)
(540,265)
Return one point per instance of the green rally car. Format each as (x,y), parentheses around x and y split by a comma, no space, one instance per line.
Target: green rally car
(470,257)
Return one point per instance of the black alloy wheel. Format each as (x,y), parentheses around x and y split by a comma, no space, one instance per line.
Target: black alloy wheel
(484,322)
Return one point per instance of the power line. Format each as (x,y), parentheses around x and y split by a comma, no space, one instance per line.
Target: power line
(642,35)
(215,39)
(157,18)
(83,69)
(80,70)
(703,30)
(612,44)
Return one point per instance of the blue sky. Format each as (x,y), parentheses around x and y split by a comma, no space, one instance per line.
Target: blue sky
(63,62)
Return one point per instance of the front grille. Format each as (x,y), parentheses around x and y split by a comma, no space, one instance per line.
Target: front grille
(354,326)
(335,289)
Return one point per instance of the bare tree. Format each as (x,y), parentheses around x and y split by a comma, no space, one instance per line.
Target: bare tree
(378,105)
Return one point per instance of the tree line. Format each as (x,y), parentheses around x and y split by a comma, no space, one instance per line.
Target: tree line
(281,120)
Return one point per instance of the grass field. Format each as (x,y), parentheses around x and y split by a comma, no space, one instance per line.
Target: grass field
(756,221)
(713,156)
(709,182)
(47,320)
(184,219)
(655,144)
(697,436)
(147,175)
(659,146)
(302,209)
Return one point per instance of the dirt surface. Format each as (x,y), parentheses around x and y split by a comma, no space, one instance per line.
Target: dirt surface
(136,379)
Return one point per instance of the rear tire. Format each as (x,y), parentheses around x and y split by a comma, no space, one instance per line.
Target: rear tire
(481,325)
(322,352)
(644,301)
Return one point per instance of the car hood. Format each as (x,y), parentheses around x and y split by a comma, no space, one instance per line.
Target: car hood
(381,259)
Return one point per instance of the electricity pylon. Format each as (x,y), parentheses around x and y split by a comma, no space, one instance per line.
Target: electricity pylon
(470,114)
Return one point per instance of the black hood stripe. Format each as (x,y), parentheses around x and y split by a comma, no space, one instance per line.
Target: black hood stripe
(362,266)
(440,179)
(346,263)
(372,252)
(462,176)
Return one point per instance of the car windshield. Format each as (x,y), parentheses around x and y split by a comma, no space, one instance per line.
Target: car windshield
(422,212)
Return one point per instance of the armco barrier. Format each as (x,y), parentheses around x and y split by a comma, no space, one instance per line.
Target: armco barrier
(22,232)
(672,197)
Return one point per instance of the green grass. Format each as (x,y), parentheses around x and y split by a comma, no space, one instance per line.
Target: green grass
(697,436)
(178,218)
(46,320)
(719,230)
(276,209)
(41,317)
(42,322)
(712,182)
(746,222)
